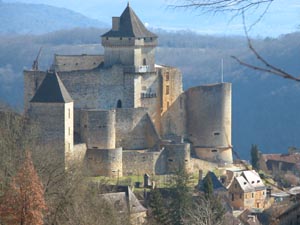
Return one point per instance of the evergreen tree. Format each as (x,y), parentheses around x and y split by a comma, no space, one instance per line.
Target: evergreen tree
(181,197)
(158,207)
(208,186)
(23,203)
(255,157)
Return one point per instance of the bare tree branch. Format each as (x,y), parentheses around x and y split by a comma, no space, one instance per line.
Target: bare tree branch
(239,8)
(267,67)
(217,6)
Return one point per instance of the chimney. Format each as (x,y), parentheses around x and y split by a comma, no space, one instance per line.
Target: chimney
(115,23)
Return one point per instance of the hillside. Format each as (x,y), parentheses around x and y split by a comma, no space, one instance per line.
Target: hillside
(21,18)
(265,107)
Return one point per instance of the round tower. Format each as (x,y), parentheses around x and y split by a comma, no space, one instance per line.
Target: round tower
(209,121)
(98,128)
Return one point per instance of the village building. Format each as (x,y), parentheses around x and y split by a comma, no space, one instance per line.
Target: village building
(280,163)
(123,200)
(247,191)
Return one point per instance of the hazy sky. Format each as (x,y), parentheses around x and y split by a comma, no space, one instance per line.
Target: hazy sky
(282,17)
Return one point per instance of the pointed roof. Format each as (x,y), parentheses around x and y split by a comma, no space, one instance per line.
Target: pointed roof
(217,185)
(130,26)
(52,90)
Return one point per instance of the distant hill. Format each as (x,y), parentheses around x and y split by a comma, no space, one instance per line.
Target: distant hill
(21,18)
(265,107)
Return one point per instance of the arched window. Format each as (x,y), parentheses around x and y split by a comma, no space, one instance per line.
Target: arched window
(119,104)
(144,62)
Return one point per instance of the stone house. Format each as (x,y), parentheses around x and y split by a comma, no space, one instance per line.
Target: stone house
(123,200)
(247,191)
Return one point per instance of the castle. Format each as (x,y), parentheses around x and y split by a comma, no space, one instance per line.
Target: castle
(125,114)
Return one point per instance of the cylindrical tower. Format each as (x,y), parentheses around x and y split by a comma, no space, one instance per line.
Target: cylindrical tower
(209,121)
(98,128)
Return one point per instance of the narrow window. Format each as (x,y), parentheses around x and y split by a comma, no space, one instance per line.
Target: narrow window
(252,195)
(69,131)
(119,104)
(167,76)
(232,197)
(168,105)
(167,90)
(144,62)
(69,113)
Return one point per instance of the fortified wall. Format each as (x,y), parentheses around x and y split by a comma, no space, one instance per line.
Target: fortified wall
(210,106)
(126,114)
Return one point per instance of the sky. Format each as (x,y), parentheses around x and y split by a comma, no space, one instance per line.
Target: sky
(282,17)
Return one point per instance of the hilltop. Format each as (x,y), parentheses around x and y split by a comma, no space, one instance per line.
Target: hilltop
(21,18)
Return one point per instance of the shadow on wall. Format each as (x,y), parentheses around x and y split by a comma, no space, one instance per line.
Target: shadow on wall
(142,136)
(173,120)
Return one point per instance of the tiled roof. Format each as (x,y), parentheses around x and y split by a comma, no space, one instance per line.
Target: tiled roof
(52,90)
(121,197)
(130,26)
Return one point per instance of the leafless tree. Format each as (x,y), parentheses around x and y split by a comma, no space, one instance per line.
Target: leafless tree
(206,211)
(218,6)
(240,8)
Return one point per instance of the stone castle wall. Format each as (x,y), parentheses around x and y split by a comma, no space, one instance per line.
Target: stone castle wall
(178,156)
(150,96)
(69,129)
(209,121)
(130,52)
(134,129)
(50,133)
(172,102)
(168,160)
(140,162)
(105,162)
(98,128)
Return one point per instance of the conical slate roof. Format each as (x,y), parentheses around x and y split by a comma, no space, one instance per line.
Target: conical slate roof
(130,26)
(52,90)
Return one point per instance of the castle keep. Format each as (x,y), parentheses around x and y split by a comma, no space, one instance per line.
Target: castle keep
(124,113)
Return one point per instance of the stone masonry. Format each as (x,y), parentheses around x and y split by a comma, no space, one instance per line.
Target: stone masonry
(130,114)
